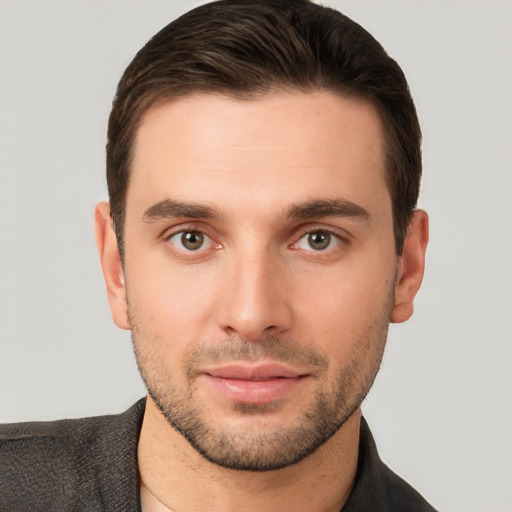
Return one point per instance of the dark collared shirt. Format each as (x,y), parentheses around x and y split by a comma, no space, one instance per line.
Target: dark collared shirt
(90,465)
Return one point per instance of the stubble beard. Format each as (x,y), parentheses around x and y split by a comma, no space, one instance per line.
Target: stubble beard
(259,448)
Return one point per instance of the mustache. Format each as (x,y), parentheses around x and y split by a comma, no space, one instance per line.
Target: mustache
(272,348)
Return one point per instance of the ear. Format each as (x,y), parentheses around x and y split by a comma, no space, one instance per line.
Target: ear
(411,266)
(111,264)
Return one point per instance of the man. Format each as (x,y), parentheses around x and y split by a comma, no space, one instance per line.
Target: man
(263,165)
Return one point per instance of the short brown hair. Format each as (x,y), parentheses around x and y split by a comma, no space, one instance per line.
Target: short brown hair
(246,48)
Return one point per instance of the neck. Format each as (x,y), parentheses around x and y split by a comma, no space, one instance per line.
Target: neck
(176,477)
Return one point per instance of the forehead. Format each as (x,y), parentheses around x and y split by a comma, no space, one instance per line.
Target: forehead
(277,147)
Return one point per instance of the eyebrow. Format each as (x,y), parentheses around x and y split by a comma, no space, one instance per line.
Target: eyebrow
(169,208)
(327,208)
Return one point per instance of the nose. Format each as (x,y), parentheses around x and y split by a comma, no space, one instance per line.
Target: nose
(255,297)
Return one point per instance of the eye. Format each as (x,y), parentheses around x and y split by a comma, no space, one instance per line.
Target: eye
(191,241)
(318,241)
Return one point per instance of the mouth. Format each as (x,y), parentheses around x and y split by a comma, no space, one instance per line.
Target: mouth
(253,384)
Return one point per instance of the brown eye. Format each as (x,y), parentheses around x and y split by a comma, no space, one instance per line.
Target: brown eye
(192,240)
(319,240)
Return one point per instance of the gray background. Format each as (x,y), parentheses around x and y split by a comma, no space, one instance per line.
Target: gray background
(441,407)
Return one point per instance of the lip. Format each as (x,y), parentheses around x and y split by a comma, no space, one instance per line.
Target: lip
(253,384)
(257,372)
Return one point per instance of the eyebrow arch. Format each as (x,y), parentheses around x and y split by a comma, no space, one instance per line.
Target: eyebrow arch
(169,208)
(327,208)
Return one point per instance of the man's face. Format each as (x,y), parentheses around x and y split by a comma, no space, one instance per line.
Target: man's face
(260,268)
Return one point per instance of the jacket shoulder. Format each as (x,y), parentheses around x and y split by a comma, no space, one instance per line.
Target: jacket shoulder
(403,496)
(58,465)
(377,487)
(38,458)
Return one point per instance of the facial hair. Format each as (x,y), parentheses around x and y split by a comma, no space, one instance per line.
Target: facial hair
(264,447)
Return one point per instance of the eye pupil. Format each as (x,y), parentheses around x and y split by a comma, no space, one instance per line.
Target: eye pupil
(192,240)
(319,240)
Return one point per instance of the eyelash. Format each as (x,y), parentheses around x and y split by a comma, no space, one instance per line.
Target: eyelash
(189,230)
(339,239)
(331,237)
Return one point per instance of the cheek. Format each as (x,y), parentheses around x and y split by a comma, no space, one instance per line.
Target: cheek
(338,306)
(173,302)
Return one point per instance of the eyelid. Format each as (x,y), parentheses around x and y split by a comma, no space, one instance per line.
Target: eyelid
(199,227)
(189,227)
(341,235)
(207,242)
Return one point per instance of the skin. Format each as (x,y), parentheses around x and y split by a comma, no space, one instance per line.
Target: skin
(265,182)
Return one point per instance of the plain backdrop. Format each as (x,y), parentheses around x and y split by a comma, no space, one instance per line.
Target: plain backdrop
(441,409)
